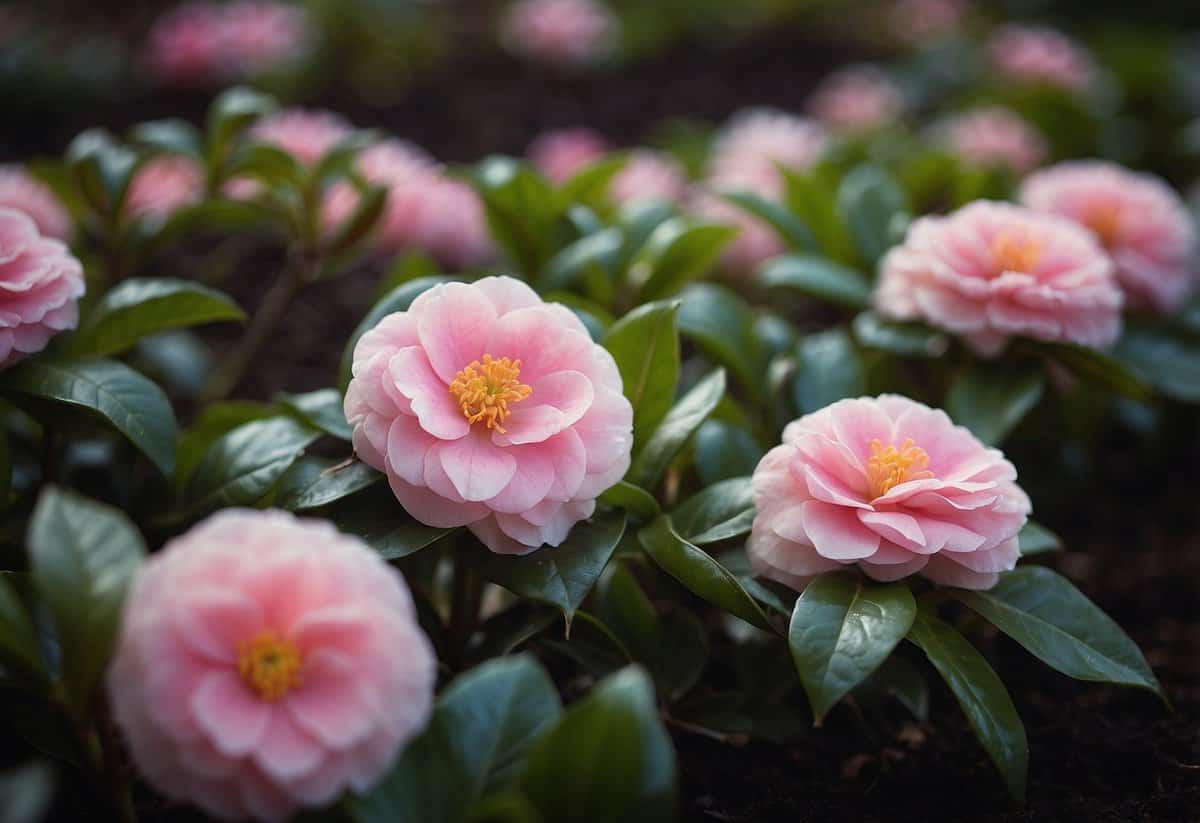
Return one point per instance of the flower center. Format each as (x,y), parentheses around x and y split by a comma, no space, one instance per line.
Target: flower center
(1015,251)
(1104,219)
(889,467)
(485,390)
(269,665)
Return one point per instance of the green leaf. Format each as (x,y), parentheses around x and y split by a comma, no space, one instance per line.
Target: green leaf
(521,208)
(376,517)
(676,428)
(233,111)
(312,482)
(679,251)
(170,136)
(903,339)
(633,499)
(870,202)
(359,224)
(133,404)
(818,277)
(18,637)
(787,225)
(398,299)
(1056,623)
(829,368)
(321,409)
(559,575)
(842,631)
(981,695)
(608,759)
(26,793)
(1097,368)
(1037,539)
(991,400)
(700,573)
(724,450)
(721,324)
(599,251)
(102,169)
(83,556)
(139,308)
(590,184)
(815,205)
(719,512)
(1167,358)
(482,729)
(244,464)
(645,345)
(216,420)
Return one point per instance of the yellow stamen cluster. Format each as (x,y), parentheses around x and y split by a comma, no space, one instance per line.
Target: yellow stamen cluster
(890,466)
(269,665)
(1015,251)
(1105,220)
(485,391)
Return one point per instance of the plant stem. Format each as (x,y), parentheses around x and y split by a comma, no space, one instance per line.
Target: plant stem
(116,778)
(465,600)
(262,325)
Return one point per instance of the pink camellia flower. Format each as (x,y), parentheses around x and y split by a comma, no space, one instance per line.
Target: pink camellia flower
(889,485)
(857,98)
(649,175)
(568,32)
(992,136)
(1139,219)
(163,185)
(490,409)
(40,286)
(22,191)
(991,271)
(747,157)
(260,35)
(1036,54)
(920,22)
(560,154)
(185,45)
(305,134)
(267,663)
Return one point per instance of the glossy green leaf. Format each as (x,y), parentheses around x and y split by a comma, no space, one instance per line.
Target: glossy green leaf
(312,482)
(131,403)
(483,727)
(139,308)
(981,695)
(721,324)
(559,575)
(169,136)
(675,429)
(1167,358)
(842,630)
(633,499)
(18,638)
(903,339)
(815,205)
(590,184)
(521,208)
(398,299)
(787,225)
(818,277)
(1056,623)
(828,368)
(102,169)
(645,345)
(724,450)
(719,512)
(321,409)
(376,517)
(233,111)
(991,400)
(870,203)
(216,419)
(359,224)
(1096,367)
(700,573)
(599,251)
(83,556)
(679,251)
(608,759)
(1037,539)
(244,464)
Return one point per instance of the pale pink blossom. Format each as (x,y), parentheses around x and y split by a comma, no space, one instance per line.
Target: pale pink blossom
(568,32)
(992,136)
(921,22)
(649,175)
(163,185)
(22,191)
(560,154)
(40,286)
(260,35)
(1042,55)
(185,46)
(991,271)
(490,409)
(747,157)
(267,663)
(891,486)
(1142,223)
(306,134)
(857,98)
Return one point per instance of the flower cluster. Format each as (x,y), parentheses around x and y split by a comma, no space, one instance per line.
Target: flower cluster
(857,98)
(992,136)
(1040,55)
(565,32)
(646,175)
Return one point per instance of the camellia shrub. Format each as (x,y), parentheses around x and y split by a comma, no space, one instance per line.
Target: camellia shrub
(614,454)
